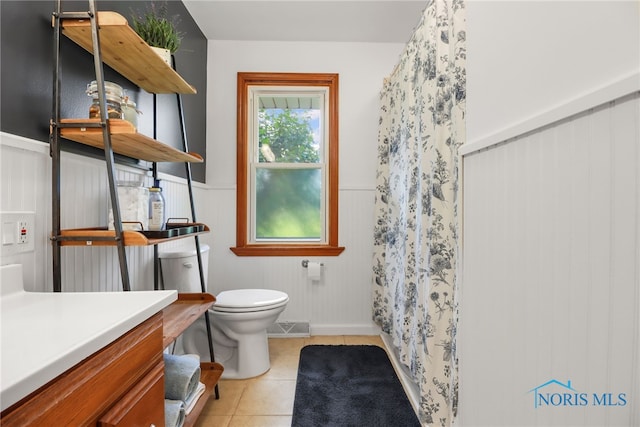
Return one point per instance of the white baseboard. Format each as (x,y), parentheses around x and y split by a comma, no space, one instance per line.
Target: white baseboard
(410,387)
(344,329)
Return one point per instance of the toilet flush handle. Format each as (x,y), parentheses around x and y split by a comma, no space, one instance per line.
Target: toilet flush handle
(187,265)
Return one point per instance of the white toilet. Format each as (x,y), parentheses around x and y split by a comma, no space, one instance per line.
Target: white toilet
(239,318)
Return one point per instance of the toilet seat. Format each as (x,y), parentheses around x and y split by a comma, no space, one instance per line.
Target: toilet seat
(249,300)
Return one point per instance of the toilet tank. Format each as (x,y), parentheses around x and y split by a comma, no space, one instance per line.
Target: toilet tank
(179,268)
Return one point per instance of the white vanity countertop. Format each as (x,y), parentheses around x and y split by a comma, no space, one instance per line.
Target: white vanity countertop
(43,334)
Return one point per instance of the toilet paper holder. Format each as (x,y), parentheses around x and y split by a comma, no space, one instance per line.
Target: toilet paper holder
(305,263)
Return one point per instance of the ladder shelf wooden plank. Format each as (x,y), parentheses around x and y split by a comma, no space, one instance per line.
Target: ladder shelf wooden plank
(127,53)
(125,140)
(210,374)
(101,236)
(183,312)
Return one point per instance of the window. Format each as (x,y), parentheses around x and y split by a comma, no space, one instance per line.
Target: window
(287,165)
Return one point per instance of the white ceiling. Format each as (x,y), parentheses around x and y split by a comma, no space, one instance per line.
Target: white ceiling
(390,21)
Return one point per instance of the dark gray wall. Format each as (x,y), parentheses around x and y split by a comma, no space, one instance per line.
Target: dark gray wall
(26,71)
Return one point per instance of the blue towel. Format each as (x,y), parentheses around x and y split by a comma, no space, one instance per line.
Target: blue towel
(174,413)
(181,376)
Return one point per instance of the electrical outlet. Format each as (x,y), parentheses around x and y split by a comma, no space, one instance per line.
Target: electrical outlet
(24,232)
(17,232)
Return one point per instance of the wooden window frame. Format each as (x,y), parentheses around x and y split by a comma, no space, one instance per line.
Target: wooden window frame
(243,246)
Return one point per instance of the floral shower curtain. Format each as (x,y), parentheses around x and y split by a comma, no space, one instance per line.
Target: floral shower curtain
(416,209)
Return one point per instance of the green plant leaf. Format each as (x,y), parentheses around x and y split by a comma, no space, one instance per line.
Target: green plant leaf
(158,30)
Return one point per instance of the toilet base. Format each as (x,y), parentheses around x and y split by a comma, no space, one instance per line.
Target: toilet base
(250,359)
(242,359)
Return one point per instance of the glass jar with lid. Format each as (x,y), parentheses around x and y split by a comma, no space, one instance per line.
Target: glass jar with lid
(133,200)
(113,95)
(129,111)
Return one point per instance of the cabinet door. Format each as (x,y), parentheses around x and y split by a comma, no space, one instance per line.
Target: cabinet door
(143,405)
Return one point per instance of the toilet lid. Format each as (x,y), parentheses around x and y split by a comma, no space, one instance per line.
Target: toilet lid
(249,299)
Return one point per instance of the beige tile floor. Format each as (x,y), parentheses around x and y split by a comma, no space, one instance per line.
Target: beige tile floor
(267,400)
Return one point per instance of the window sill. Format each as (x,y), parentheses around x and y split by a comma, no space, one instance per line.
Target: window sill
(287,250)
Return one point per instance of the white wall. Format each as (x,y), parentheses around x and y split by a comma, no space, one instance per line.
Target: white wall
(551,247)
(527,57)
(362,68)
(341,302)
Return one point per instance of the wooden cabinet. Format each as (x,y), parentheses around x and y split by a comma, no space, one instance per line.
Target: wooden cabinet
(122,384)
(141,406)
(80,395)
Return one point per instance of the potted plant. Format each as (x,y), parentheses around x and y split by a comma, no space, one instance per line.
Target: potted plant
(158,30)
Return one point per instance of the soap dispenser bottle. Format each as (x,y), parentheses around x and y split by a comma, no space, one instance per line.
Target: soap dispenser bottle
(156,209)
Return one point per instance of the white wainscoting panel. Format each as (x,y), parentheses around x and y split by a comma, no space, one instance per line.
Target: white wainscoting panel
(85,203)
(25,183)
(24,186)
(551,280)
(340,303)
